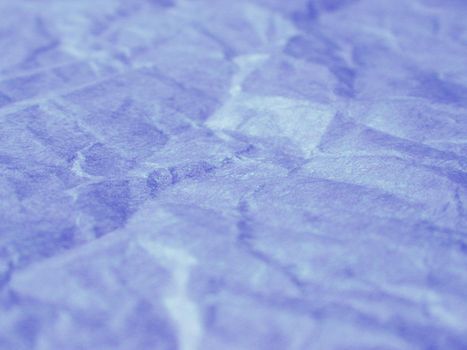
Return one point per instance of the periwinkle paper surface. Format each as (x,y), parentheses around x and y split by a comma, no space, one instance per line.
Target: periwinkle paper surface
(233,175)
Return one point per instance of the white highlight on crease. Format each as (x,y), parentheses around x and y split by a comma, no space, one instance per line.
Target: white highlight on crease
(178,303)
(246,64)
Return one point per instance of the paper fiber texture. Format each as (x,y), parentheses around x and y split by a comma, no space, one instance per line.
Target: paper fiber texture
(233,175)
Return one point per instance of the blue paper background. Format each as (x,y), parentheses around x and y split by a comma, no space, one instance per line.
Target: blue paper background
(238,175)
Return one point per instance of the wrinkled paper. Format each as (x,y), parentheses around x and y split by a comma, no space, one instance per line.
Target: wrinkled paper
(233,175)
